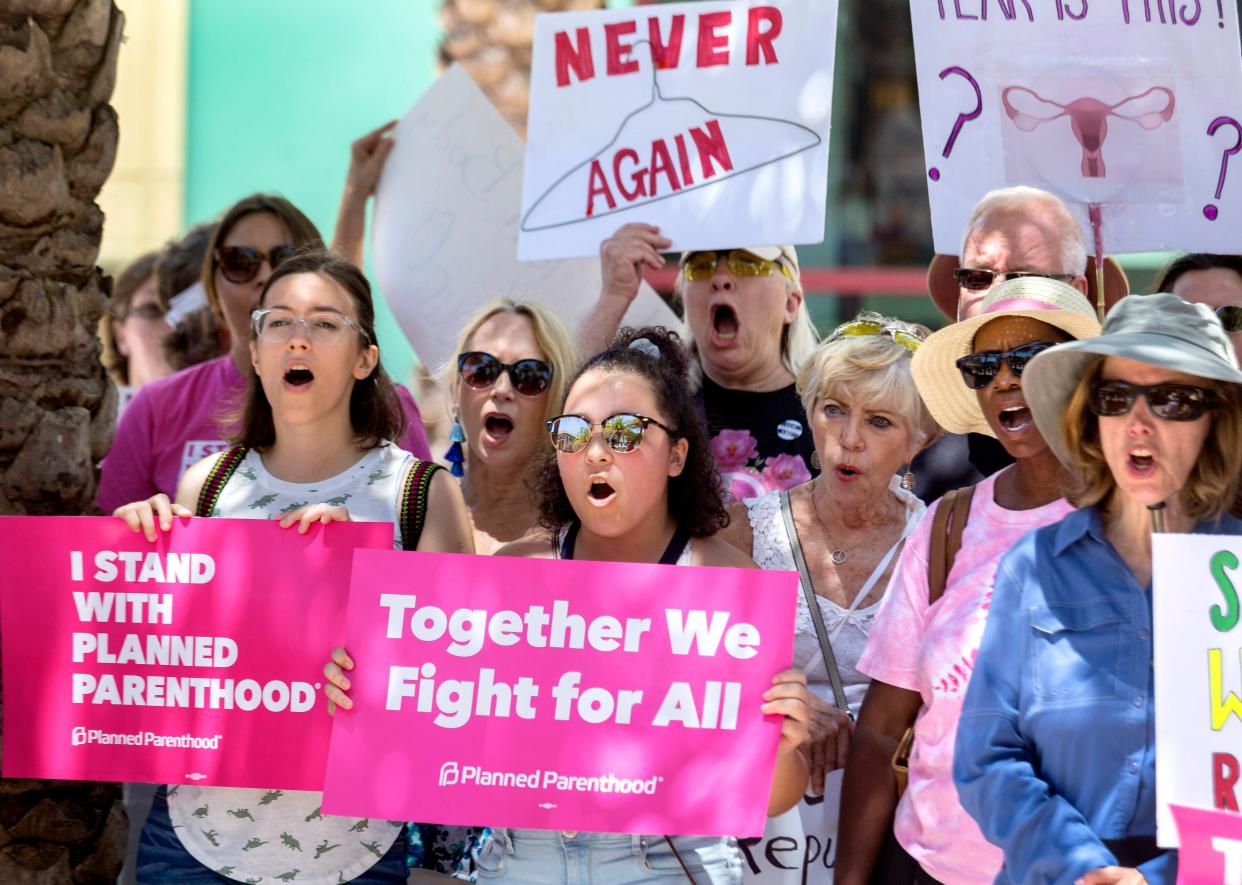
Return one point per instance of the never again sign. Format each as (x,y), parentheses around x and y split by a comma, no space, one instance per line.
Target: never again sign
(708,119)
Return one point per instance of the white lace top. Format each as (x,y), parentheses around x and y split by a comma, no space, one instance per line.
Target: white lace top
(773,549)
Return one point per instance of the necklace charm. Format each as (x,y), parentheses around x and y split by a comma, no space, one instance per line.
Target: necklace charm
(838,557)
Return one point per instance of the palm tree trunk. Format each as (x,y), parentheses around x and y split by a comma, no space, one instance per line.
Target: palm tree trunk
(58,139)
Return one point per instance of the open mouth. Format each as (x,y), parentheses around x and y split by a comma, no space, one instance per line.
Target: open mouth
(299,376)
(846,473)
(1142,462)
(724,322)
(498,427)
(600,491)
(1015,419)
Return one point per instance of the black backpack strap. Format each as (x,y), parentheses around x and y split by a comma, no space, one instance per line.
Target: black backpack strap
(412,507)
(221,472)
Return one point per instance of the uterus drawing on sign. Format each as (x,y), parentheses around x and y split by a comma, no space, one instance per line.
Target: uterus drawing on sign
(665,148)
(1088,117)
(1094,137)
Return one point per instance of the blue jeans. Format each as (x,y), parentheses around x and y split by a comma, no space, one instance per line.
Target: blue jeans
(550,857)
(162,858)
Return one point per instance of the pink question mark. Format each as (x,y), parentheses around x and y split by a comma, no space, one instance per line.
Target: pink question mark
(962,119)
(1210,211)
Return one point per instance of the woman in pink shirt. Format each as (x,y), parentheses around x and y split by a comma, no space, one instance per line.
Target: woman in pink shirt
(919,656)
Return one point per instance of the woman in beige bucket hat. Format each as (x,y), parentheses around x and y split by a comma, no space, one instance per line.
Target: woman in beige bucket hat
(971,377)
(1057,728)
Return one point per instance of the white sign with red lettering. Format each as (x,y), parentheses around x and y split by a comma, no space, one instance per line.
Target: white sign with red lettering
(707,119)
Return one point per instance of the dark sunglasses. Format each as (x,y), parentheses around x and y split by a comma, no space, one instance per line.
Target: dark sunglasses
(622,432)
(980,369)
(976,279)
(1230,317)
(1172,402)
(481,370)
(240,264)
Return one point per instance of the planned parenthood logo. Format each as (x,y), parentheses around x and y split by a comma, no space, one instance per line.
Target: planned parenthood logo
(455,774)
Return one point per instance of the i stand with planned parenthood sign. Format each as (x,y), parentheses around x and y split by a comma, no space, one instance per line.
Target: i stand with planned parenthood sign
(1129,110)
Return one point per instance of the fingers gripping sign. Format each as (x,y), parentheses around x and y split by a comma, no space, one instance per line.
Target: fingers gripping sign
(154,514)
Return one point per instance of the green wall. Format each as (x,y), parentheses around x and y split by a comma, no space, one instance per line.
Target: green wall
(278,90)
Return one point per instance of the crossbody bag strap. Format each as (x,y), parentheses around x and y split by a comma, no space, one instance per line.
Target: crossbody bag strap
(412,506)
(221,472)
(808,593)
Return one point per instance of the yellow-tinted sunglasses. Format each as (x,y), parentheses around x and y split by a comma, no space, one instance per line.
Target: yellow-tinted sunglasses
(700,266)
(862,328)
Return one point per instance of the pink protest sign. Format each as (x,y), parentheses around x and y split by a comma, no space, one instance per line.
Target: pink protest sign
(196,658)
(593,696)
(1211,846)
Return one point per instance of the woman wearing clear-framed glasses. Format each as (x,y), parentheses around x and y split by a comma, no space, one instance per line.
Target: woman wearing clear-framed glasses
(628,478)
(317,425)
(1055,751)
(176,421)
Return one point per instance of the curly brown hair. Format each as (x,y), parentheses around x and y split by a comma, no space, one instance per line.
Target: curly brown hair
(695,496)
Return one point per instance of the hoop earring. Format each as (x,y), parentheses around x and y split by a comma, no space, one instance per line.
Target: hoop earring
(908,480)
(815,461)
(454,455)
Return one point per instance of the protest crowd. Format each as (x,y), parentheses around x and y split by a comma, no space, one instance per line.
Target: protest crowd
(970,512)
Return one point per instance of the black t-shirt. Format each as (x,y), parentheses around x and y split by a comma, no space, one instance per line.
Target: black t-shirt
(761,441)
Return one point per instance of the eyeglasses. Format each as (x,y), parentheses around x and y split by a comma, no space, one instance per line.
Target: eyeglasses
(276,324)
(1172,402)
(240,264)
(1230,317)
(148,311)
(701,266)
(481,370)
(976,279)
(980,369)
(863,328)
(622,432)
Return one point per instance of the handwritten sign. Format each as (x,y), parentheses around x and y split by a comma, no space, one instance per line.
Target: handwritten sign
(196,659)
(1198,658)
(551,694)
(1129,105)
(446,223)
(708,119)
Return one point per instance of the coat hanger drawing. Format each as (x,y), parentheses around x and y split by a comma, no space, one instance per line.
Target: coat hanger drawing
(1089,117)
(792,138)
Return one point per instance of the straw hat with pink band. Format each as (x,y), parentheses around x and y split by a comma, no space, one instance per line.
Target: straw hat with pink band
(954,405)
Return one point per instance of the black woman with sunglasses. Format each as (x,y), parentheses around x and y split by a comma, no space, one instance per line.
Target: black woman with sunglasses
(177,421)
(630,479)
(1055,753)
(506,379)
(750,332)
(971,376)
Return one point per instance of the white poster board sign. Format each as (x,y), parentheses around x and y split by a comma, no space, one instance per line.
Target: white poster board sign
(1197,587)
(709,120)
(446,220)
(1131,105)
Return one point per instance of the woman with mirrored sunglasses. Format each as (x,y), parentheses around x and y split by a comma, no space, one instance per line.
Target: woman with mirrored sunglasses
(628,478)
(972,378)
(1057,729)
(750,332)
(174,422)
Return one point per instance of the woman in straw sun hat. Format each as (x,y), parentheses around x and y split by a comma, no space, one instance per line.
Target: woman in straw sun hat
(1055,754)
(971,377)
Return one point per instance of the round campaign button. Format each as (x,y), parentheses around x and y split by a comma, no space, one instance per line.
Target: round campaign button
(790,429)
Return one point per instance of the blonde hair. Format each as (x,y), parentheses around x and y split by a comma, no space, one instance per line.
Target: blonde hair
(871,368)
(550,333)
(1211,490)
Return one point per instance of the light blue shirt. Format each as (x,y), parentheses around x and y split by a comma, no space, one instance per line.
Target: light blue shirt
(1056,747)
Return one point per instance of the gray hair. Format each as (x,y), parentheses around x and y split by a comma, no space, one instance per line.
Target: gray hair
(1023,199)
